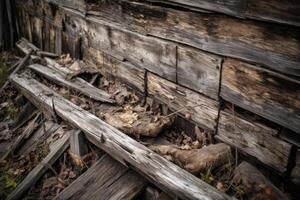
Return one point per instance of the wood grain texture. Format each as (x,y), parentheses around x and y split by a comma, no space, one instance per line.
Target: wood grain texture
(198,108)
(153,54)
(109,65)
(244,39)
(77,84)
(267,94)
(286,12)
(254,139)
(105,180)
(75,4)
(199,71)
(56,149)
(166,175)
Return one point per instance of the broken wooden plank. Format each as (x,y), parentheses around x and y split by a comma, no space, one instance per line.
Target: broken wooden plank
(155,55)
(255,185)
(111,66)
(44,130)
(278,11)
(166,175)
(78,145)
(30,128)
(59,77)
(265,93)
(254,139)
(243,39)
(106,179)
(56,149)
(189,104)
(198,71)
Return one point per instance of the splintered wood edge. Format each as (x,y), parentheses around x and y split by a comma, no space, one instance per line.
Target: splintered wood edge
(166,175)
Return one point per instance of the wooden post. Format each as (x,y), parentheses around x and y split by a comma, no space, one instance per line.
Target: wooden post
(78,144)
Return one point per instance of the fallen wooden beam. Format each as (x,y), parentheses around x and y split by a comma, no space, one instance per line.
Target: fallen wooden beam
(77,84)
(106,179)
(166,175)
(56,149)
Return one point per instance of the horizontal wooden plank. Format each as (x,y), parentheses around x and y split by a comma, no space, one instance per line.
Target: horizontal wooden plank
(199,71)
(153,54)
(189,104)
(109,65)
(278,11)
(274,46)
(254,139)
(166,175)
(267,94)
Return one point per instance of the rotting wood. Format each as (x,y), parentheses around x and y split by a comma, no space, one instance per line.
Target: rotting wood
(267,94)
(30,128)
(254,139)
(106,179)
(155,55)
(77,84)
(243,39)
(189,104)
(45,129)
(110,66)
(199,71)
(158,170)
(197,160)
(56,149)
(278,11)
(25,114)
(254,184)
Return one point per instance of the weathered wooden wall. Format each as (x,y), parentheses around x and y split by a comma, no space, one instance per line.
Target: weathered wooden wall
(192,59)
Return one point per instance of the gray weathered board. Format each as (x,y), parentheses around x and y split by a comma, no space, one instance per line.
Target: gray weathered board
(56,149)
(199,71)
(254,139)
(166,175)
(286,12)
(271,45)
(200,109)
(105,180)
(157,56)
(77,84)
(267,94)
(111,66)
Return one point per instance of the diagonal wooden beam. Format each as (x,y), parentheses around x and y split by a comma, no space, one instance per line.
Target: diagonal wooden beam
(166,175)
(77,84)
